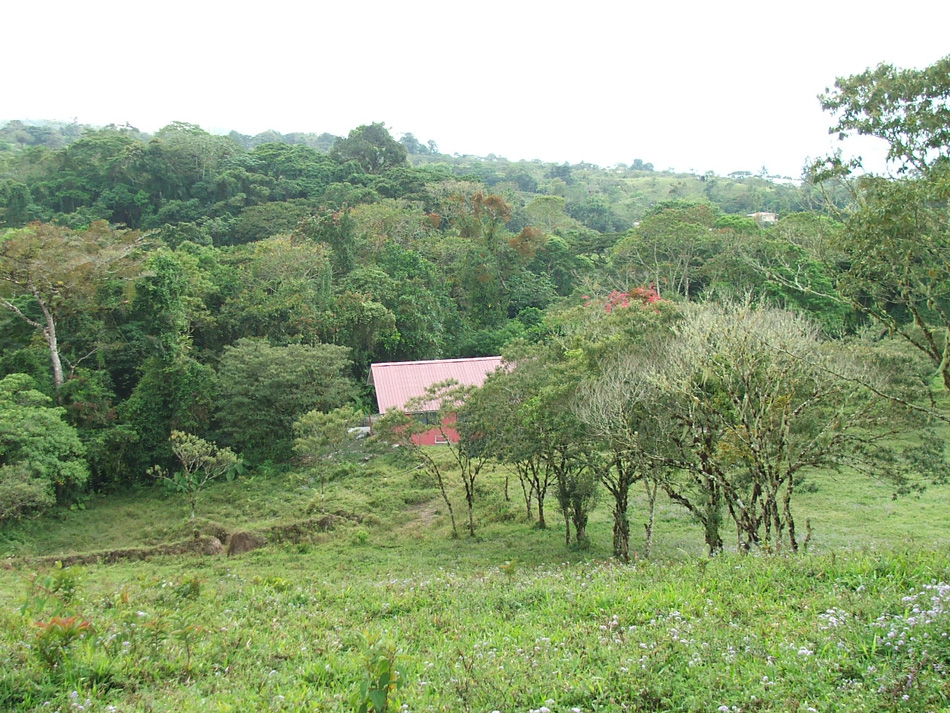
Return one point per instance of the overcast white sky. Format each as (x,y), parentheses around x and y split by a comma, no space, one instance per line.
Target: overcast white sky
(699,86)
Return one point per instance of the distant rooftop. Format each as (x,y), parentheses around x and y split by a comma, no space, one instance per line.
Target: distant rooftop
(397,382)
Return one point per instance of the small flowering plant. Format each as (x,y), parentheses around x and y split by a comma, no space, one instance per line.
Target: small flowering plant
(922,630)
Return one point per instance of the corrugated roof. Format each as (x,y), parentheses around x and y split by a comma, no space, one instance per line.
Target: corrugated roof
(397,382)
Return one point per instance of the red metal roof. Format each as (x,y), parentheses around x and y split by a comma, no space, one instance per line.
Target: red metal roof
(397,382)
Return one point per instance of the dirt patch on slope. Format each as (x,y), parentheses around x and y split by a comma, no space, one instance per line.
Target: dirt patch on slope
(209,544)
(206,545)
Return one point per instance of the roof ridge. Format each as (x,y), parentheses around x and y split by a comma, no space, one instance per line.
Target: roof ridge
(435,361)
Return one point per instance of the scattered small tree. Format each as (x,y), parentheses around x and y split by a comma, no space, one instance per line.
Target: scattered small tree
(398,428)
(202,463)
(322,437)
(471,453)
(749,400)
(506,402)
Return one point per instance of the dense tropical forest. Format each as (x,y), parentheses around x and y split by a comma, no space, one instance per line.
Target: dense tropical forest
(148,279)
(195,315)
(715,337)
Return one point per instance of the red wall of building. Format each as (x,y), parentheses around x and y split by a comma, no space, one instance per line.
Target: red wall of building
(436,436)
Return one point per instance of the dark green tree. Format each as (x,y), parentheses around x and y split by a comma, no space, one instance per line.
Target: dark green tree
(15,204)
(41,456)
(371,147)
(265,389)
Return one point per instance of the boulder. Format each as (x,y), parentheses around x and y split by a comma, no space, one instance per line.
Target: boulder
(242,542)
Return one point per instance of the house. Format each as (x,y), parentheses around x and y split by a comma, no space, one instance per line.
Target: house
(763,218)
(399,382)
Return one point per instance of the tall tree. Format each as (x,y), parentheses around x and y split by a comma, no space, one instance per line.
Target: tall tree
(894,248)
(907,108)
(372,147)
(507,400)
(622,325)
(669,248)
(57,272)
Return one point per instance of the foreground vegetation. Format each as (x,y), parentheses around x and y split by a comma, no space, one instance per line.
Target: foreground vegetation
(508,621)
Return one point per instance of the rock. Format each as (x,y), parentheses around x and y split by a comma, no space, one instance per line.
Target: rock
(211,546)
(242,542)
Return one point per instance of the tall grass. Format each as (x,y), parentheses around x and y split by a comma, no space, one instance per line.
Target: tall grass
(508,621)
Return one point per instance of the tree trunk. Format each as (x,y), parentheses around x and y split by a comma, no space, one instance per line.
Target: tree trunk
(621,523)
(49,333)
(470,499)
(621,536)
(579,518)
(580,532)
(651,488)
(789,520)
(713,538)
(434,470)
(527,489)
(712,519)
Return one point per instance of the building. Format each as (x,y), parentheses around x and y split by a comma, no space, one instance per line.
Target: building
(399,382)
(763,218)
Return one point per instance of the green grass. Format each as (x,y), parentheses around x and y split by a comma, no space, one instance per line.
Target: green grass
(509,621)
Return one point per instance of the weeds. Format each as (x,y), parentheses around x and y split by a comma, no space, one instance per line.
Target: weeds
(512,622)
(381,675)
(55,636)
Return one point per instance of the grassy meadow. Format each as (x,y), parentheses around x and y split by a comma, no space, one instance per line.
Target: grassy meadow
(386,611)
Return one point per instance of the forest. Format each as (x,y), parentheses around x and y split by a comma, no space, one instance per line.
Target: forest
(710,474)
(712,338)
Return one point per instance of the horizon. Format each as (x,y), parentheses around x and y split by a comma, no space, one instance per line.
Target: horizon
(694,88)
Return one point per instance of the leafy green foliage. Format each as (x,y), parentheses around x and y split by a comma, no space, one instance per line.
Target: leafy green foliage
(323,435)
(383,674)
(265,389)
(321,438)
(40,454)
(898,253)
(736,405)
(268,237)
(371,147)
(905,107)
(669,248)
(201,464)
(176,394)
(893,249)
(61,271)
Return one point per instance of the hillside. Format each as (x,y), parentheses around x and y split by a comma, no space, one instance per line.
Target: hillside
(710,472)
(511,620)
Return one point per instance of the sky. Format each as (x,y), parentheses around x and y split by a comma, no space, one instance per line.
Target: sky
(693,86)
